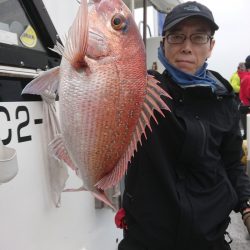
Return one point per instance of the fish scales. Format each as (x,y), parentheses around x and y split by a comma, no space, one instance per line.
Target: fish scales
(106,98)
(97,109)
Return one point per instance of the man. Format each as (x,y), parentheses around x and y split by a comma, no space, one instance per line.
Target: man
(186,178)
(235,78)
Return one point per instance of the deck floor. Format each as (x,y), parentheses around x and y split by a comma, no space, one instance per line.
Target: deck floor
(239,234)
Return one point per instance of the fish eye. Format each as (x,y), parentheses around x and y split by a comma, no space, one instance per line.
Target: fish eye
(118,22)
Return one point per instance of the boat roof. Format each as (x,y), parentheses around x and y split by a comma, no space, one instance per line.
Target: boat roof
(161,5)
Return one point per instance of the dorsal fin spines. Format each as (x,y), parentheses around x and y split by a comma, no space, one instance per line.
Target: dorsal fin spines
(152,102)
(77,41)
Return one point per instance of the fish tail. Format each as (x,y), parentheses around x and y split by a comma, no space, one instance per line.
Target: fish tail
(77,41)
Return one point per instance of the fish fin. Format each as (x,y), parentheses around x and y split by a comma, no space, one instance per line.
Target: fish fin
(58,48)
(152,102)
(100,195)
(82,188)
(59,151)
(47,81)
(112,178)
(77,41)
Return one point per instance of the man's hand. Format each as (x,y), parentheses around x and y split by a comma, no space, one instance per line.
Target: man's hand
(246,219)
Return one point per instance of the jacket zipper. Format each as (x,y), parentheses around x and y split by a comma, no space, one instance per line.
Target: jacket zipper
(204,135)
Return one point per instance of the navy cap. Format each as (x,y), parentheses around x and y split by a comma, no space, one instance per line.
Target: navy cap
(247,62)
(185,10)
(247,59)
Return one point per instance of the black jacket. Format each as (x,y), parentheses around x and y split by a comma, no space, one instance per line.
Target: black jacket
(186,178)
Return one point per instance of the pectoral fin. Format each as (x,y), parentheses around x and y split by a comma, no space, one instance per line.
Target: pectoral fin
(46,82)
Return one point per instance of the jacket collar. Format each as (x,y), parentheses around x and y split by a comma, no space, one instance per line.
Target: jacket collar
(199,92)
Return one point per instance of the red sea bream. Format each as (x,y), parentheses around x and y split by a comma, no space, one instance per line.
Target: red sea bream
(106,98)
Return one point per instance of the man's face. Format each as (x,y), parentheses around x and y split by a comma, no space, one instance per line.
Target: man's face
(189,57)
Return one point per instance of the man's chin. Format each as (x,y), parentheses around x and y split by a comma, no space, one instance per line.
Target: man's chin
(185,67)
(186,70)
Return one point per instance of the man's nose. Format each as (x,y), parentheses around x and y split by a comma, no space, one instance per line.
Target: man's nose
(187,46)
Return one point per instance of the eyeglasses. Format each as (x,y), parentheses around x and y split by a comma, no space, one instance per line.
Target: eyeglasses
(197,38)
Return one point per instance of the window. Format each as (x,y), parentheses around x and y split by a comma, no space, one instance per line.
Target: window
(15,27)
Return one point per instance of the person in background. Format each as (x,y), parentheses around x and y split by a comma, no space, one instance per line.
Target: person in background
(235,79)
(245,94)
(186,177)
(245,83)
(235,82)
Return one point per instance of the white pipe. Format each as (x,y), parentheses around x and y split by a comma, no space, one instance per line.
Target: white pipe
(132,6)
(18,72)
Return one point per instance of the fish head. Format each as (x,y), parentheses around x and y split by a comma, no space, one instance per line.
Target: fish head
(112,30)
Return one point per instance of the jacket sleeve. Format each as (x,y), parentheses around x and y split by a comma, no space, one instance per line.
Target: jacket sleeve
(235,82)
(231,155)
(245,91)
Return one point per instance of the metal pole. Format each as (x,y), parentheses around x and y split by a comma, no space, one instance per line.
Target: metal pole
(132,6)
(145,22)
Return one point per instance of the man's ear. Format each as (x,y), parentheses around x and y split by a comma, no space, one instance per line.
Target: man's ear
(162,45)
(211,48)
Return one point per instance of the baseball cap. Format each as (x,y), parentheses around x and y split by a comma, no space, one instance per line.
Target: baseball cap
(185,10)
(247,62)
(247,59)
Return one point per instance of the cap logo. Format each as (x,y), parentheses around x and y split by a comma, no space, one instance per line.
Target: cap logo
(192,8)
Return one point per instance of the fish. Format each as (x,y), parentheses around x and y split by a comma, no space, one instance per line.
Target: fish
(106,97)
